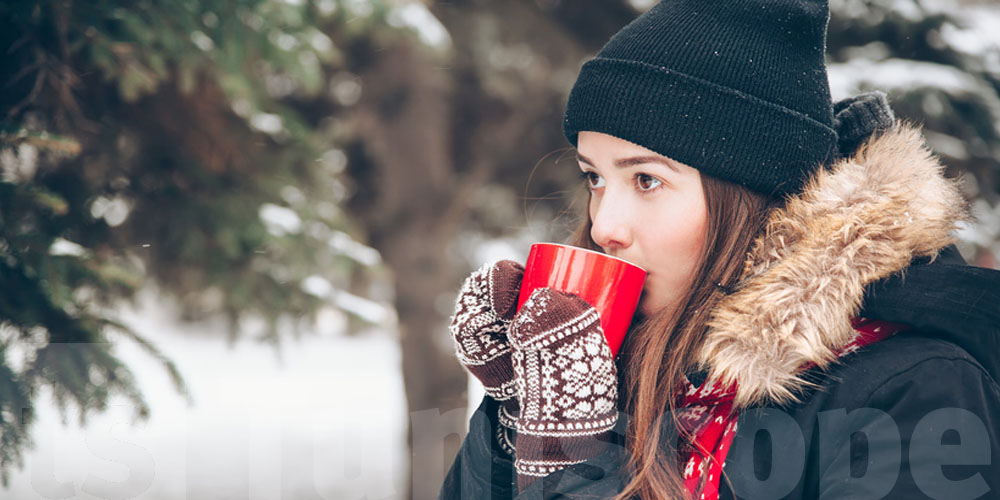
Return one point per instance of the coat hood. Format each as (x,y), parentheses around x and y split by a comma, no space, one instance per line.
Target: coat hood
(844,246)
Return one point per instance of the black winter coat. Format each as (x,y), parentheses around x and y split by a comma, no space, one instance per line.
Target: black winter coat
(914,416)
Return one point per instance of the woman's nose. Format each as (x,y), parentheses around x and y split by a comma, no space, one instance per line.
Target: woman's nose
(610,227)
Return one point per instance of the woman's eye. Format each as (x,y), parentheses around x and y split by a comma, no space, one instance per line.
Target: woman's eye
(593,180)
(647,182)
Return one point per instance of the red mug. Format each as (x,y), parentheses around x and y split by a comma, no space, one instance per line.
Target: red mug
(610,284)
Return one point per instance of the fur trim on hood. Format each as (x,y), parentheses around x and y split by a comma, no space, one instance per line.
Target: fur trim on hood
(862,220)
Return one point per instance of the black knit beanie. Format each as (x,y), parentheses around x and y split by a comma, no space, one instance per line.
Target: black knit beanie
(735,88)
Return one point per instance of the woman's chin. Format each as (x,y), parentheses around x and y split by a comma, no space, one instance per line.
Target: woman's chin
(649,305)
(646,306)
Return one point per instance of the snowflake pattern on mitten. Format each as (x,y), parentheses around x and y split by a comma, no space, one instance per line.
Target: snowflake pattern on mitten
(567,383)
(483,312)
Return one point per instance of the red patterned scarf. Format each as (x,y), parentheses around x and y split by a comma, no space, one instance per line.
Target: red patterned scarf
(706,413)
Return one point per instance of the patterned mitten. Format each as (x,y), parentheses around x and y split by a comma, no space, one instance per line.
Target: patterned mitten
(567,383)
(483,310)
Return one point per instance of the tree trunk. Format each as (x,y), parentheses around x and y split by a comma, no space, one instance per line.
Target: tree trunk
(406,199)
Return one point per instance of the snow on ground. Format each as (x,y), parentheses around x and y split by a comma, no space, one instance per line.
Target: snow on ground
(323,418)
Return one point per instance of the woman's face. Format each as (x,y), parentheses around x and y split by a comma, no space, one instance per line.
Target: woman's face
(647,209)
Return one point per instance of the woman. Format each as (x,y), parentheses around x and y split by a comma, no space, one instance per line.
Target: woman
(807,328)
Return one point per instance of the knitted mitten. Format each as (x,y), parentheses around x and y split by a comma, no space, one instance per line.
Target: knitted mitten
(483,310)
(567,384)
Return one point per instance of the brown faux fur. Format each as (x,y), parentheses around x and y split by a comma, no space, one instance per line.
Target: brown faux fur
(862,220)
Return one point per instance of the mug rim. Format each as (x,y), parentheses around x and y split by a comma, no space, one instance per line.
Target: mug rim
(602,254)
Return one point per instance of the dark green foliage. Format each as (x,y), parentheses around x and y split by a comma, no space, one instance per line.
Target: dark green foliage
(150,141)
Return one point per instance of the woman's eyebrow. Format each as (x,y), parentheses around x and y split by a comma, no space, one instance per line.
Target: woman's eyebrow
(633,161)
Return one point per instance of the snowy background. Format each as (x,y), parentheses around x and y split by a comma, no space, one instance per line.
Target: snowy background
(321,417)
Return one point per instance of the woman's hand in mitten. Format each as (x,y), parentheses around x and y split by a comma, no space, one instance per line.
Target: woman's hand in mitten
(567,383)
(483,311)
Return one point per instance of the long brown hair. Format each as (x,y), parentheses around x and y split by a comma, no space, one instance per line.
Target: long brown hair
(661,348)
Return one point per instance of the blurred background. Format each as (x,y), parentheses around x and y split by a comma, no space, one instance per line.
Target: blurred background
(231,232)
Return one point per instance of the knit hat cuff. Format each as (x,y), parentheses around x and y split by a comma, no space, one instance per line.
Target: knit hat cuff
(718,130)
